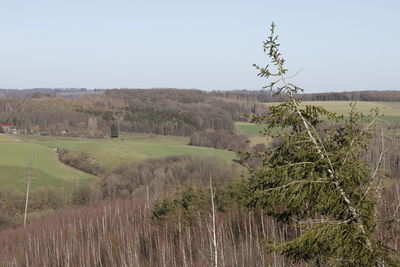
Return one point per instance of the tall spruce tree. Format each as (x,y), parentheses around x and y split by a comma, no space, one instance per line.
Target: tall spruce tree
(313,178)
(114,130)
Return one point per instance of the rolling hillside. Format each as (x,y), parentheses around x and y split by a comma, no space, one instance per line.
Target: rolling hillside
(112,152)
(47,169)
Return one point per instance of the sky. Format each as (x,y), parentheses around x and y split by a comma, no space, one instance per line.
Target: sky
(209,45)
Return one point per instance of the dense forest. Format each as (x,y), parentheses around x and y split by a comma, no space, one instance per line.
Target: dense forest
(158,111)
(80,112)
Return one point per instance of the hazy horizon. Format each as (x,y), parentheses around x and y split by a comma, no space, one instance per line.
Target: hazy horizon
(208,45)
(205,90)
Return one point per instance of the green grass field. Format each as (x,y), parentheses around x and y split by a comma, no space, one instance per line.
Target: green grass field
(248,128)
(390,111)
(15,154)
(112,152)
(47,170)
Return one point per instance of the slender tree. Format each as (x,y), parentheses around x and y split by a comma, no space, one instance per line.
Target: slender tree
(314,180)
(213,230)
(28,187)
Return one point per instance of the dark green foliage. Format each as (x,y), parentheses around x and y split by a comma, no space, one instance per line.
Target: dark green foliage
(114,130)
(185,204)
(332,243)
(163,122)
(314,178)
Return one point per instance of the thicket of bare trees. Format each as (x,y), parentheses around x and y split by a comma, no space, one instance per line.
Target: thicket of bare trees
(161,177)
(121,233)
(82,162)
(151,178)
(219,140)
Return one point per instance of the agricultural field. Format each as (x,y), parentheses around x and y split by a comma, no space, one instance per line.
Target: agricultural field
(112,152)
(390,111)
(47,170)
(16,152)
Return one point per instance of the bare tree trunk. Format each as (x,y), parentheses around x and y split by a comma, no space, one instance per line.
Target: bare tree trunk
(214,229)
(27,190)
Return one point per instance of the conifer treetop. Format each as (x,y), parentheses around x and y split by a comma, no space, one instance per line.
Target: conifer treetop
(314,178)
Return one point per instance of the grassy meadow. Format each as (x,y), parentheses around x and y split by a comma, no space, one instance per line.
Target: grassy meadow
(47,169)
(15,154)
(112,152)
(390,110)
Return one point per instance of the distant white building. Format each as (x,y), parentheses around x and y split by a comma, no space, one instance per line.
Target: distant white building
(8,128)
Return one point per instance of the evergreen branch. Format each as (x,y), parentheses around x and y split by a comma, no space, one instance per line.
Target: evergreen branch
(294,75)
(288,165)
(372,122)
(294,182)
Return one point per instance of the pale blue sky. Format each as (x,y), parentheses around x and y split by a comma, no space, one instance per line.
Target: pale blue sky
(341,45)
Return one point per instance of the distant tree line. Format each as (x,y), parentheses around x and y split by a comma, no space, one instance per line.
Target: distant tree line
(153,111)
(196,95)
(269,96)
(46,92)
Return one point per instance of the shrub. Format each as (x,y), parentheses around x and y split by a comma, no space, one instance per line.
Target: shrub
(85,194)
(83,162)
(219,140)
(155,177)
